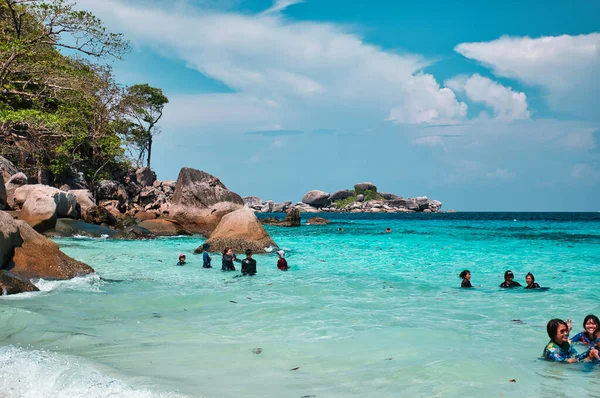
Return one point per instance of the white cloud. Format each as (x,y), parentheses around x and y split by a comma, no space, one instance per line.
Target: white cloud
(566,67)
(506,103)
(280,5)
(500,174)
(309,68)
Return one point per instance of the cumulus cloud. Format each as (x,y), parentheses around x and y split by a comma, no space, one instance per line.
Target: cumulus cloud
(506,103)
(312,68)
(566,67)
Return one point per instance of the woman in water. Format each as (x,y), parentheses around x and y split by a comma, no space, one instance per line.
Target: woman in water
(559,349)
(466,278)
(590,325)
(530,279)
(228,259)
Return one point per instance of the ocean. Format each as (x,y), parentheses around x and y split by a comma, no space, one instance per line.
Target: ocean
(360,313)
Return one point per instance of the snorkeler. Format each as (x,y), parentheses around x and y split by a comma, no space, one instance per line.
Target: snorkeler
(559,349)
(248,264)
(206,258)
(181,259)
(530,279)
(508,280)
(466,278)
(282,263)
(590,325)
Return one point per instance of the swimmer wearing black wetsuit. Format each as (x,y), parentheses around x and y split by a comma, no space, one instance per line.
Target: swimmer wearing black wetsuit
(248,264)
(508,280)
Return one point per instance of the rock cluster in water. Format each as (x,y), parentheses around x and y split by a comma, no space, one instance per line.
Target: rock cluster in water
(364,198)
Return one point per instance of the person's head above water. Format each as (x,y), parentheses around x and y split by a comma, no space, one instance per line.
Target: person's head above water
(591,323)
(529,278)
(281,253)
(228,251)
(558,331)
(509,276)
(182,256)
(206,246)
(388,230)
(465,274)
(248,253)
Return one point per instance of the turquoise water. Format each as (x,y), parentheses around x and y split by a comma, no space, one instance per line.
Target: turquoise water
(360,313)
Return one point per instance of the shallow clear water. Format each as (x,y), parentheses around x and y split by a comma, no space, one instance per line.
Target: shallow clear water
(360,313)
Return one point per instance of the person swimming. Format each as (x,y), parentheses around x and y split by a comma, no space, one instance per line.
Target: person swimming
(181,259)
(530,279)
(388,230)
(282,263)
(508,280)
(228,259)
(248,264)
(466,278)
(590,326)
(206,258)
(559,349)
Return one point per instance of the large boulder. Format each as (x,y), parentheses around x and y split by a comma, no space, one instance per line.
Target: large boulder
(316,198)
(9,238)
(400,203)
(292,219)
(3,204)
(69,227)
(15,182)
(201,200)
(340,195)
(111,190)
(252,201)
(84,199)
(361,187)
(13,284)
(164,227)
(41,205)
(317,221)
(145,176)
(39,257)
(240,230)
(422,202)
(435,205)
(134,232)
(411,204)
(389,196)
(7,168)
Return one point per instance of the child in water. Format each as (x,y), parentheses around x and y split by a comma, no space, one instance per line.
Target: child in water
(590,326)
(181,259)
(282,263)
(466,278)
(559,349)
(248,264)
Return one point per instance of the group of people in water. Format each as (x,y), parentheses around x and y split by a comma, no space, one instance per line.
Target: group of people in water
(508,283)
(228,259)
(560,348)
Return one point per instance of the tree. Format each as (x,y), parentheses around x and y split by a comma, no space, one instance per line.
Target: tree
(55,110)
(142,107)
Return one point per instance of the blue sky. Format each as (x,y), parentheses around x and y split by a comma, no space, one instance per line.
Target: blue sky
(481,105)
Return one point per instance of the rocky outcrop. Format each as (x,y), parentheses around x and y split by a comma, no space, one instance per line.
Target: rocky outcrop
(341,195)
(292,219)
(111,190)
(66,227)
(41,205)
(389,196)
(164,227)
(361,187)
(253,202)
(15,182)
(134,232)
(240,230)
(316,198)
(145,176)
(13,284)
(84,199)
(27,254)
(201,200)
(317,221)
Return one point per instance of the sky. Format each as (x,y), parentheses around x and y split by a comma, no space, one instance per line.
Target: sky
(484,106)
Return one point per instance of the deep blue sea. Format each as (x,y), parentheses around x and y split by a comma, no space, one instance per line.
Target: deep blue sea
(360,313)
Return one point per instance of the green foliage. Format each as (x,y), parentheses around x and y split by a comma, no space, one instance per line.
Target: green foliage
(369,194)
(62,112)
